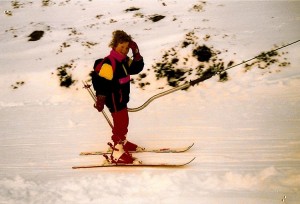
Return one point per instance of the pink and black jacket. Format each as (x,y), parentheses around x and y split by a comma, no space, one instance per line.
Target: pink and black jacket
(111,78)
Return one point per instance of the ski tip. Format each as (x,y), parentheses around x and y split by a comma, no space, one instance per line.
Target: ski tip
(189,147)
(185,164)
(191,161)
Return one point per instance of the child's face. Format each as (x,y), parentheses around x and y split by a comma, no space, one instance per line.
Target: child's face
(123,48)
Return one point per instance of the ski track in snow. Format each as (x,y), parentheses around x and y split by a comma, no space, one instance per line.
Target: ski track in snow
(246,130)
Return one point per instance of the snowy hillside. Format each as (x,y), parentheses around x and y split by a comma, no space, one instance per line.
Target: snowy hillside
(245,123)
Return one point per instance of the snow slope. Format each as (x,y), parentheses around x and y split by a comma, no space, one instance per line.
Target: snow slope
(246,130)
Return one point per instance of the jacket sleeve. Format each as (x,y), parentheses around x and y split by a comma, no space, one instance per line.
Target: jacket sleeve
(102,81)
(135,67)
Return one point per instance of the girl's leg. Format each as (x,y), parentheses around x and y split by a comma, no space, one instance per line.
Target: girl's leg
(121,122)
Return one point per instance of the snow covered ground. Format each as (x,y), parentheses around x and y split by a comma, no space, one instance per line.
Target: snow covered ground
(246,130)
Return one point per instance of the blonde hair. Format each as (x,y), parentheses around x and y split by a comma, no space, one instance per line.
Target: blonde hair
(119,36)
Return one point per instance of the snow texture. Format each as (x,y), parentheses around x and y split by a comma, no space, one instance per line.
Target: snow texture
(246,129)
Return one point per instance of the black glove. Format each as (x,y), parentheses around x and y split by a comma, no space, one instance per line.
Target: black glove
(100,101)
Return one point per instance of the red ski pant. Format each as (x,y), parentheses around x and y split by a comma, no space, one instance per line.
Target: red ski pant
(121,122)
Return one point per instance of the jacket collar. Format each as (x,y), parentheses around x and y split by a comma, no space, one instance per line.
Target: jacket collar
(119,57)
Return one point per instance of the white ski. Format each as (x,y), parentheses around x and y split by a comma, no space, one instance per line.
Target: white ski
(160,150)
(165,165)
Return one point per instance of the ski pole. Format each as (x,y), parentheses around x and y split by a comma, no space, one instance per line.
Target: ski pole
(88,88)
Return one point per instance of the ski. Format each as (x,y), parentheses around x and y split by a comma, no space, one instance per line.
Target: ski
(160,150)
(163,165)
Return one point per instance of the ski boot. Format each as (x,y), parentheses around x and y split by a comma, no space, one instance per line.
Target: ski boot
(128,146)
(120,156)
(131,147)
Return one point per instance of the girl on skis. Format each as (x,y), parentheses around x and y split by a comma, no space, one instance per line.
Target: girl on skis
(112,86)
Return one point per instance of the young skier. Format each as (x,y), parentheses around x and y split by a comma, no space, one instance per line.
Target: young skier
(112,86)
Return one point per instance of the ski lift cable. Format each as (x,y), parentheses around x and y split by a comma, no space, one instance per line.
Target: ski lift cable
(205,76)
